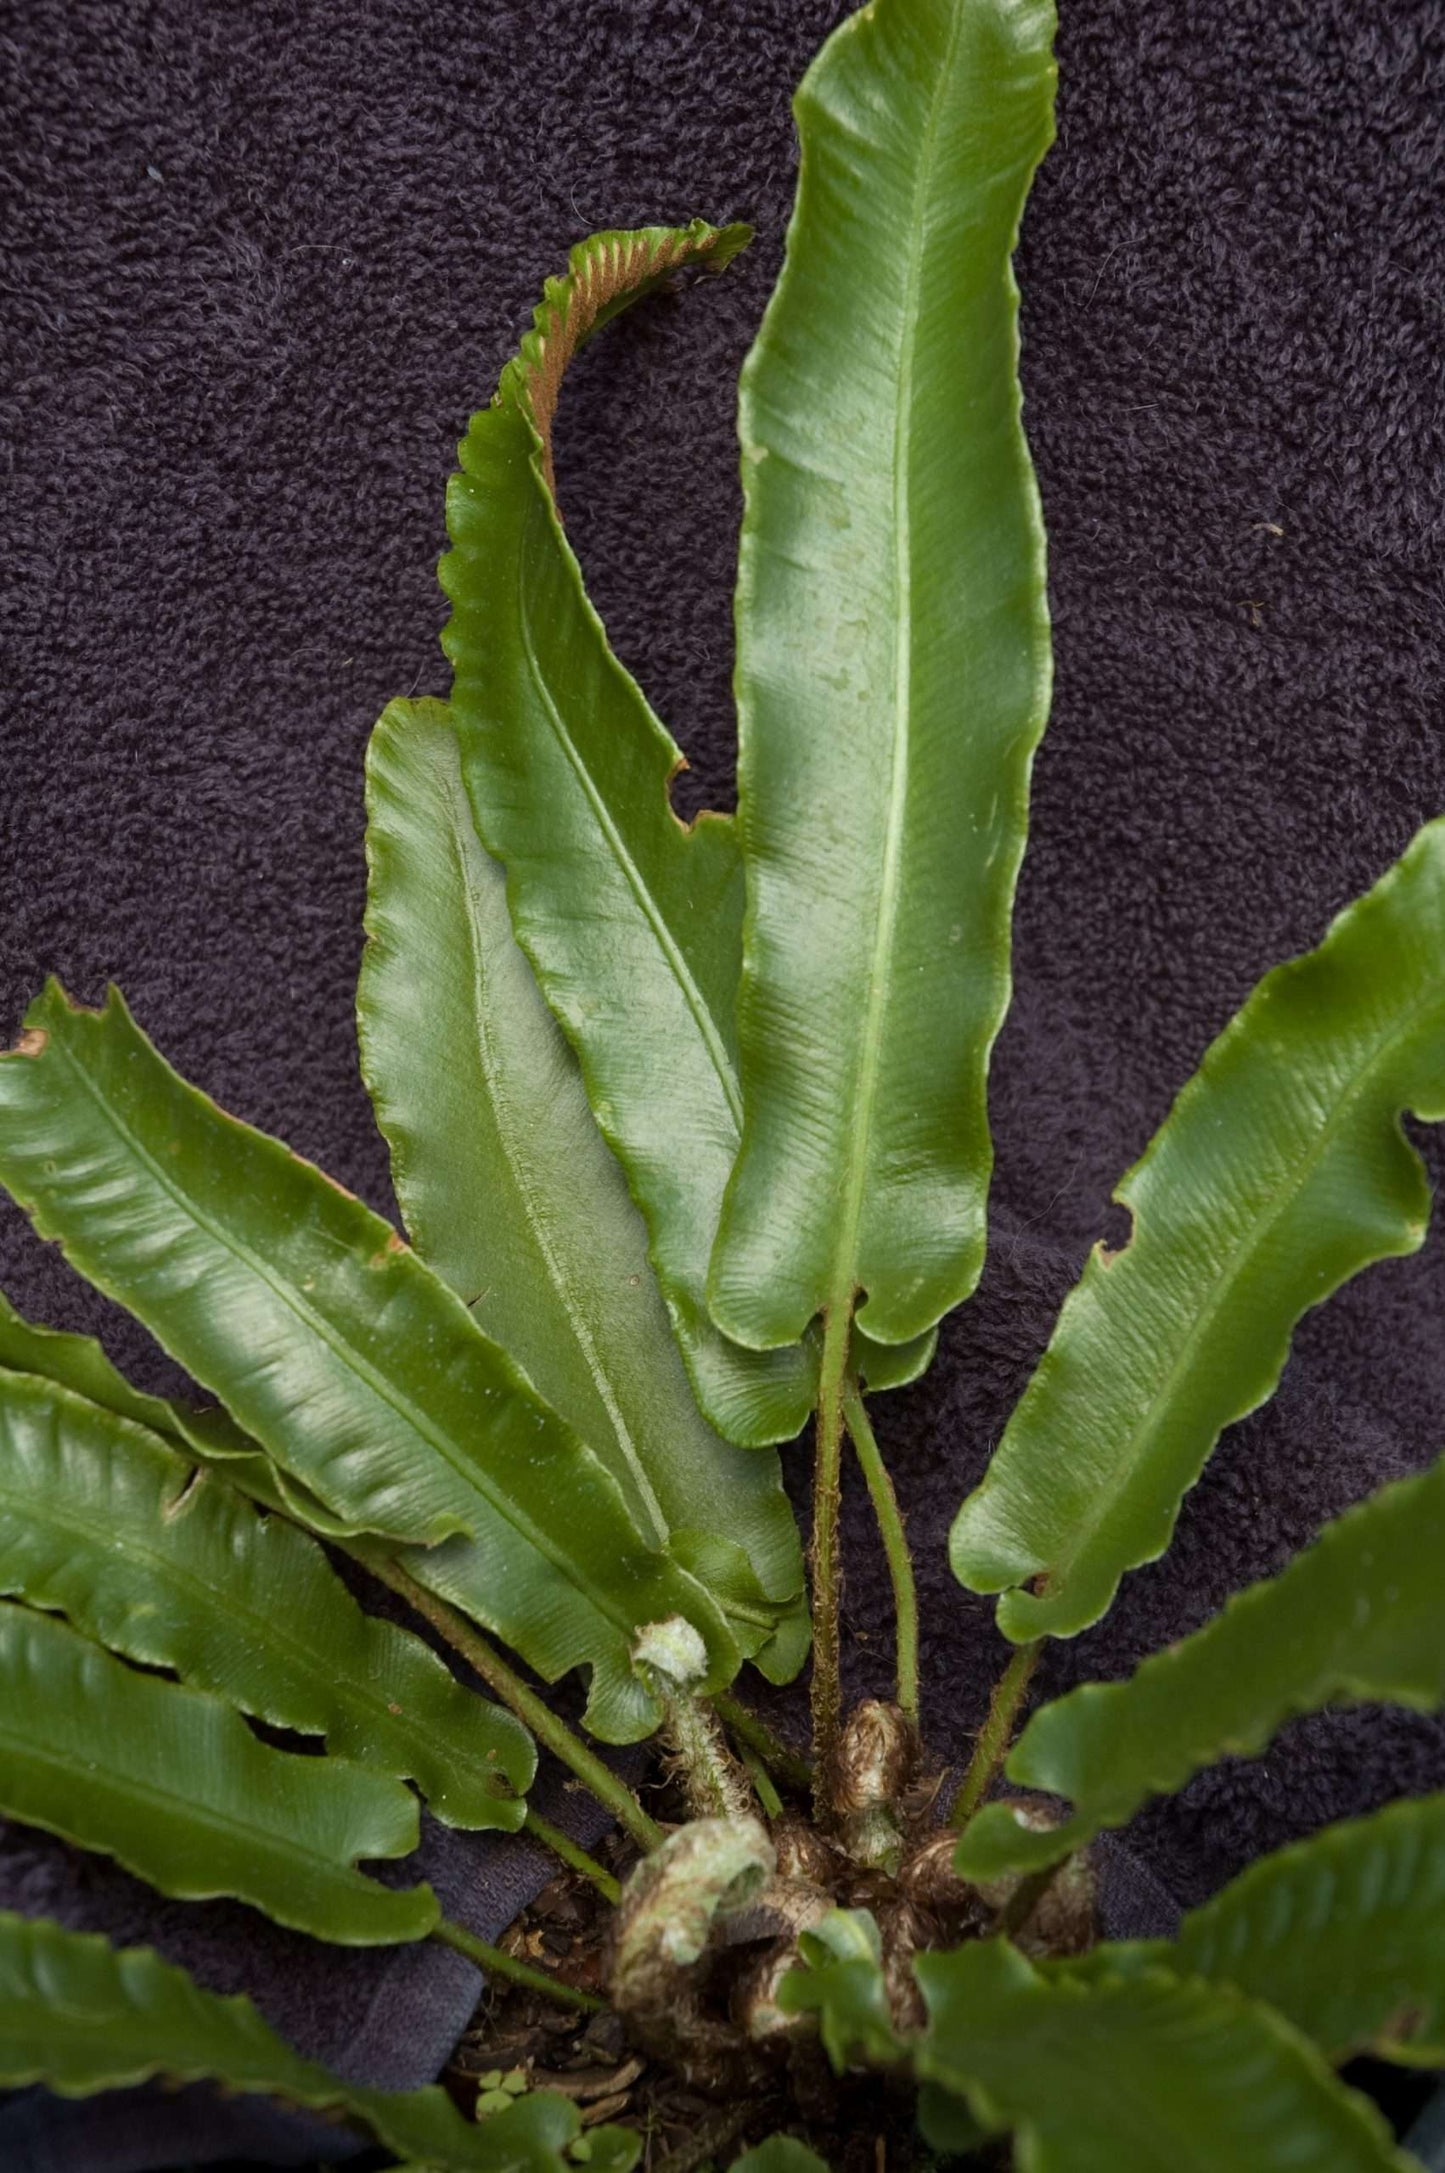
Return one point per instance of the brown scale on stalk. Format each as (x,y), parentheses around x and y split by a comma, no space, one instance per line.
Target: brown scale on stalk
(709,1926)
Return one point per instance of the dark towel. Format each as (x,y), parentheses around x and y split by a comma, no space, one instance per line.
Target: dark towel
(257,265)
(386,2016)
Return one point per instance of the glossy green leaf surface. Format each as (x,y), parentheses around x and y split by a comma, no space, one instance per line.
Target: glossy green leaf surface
(1281,1171)
(79,2015)
(1343,1933)
(842,1983)
(355,1368)
(173,1784)
(78,1362)
(1140,2077)
(893,672)
(509,1189)
(1359,1616)
(104,1523)
(632,921)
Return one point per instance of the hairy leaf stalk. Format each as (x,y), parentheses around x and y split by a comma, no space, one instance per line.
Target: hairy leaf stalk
(827,1573)
(996,1734)
(671,1659)
(895,1547)
(521,1700)
(754,1734)
(497,1964)
(570,1852)
(715,1784)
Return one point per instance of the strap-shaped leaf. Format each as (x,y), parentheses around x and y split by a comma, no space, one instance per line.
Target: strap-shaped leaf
(842,1983)
(79,1363)
(80,2015)
(1359,1616)
(632,921)
(352,1365)
(1138,2077)
(101,1521)
(893,672)
(1343,1933)
(1280,1172)
(173,1784)
(508,1187)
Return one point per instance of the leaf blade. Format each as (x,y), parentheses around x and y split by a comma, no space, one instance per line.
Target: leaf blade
(507,1185)
(104,1523)
(1343,1933)
(842,1983)
(568,770)
(631,921)
(80,1363)
(79,2015)
(886,707)
(1136,2077)
(1280,1172)
(1359,1616)
(355,1368)
(188,1799)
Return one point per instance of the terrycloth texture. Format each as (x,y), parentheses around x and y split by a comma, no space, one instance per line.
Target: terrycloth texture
(142,2131)
(259,262)
(389,2016)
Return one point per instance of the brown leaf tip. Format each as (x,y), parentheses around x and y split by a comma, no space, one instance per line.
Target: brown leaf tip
(32,1042)
(608,270)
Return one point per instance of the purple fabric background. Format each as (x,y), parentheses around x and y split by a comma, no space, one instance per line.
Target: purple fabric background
(257,263)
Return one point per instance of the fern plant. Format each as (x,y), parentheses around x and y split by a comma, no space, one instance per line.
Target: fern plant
(688,1128)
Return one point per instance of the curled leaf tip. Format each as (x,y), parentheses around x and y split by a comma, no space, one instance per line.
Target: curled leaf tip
(673,1650)
(604,275)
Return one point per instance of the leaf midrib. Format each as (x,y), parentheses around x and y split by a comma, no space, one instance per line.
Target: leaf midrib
(466,1470)
(844,1279)
(76,1767)
(508,1132)
(632,874)
(269,1630)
